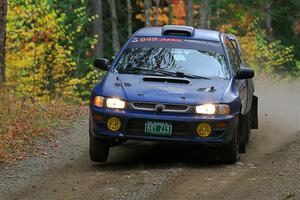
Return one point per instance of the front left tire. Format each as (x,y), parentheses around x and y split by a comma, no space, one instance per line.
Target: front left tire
(244,132)
(229,154)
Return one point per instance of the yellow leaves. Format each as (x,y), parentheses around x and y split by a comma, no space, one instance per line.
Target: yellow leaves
(74,81)
(228,28)
(36,62)
(78,29)
(162,14)
(17,9)
(140,17)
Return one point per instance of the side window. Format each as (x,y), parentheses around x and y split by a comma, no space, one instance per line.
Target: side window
(233,56)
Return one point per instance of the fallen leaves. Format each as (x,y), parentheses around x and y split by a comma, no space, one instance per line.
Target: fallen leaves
(22,122)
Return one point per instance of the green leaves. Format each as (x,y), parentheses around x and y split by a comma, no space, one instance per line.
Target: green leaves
(269,57)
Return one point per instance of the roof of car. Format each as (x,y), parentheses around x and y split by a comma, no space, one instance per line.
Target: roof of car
(201,34)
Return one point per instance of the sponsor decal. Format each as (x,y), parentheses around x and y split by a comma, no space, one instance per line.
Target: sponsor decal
(155,39)
(170,40)
(200,42)
(176,40)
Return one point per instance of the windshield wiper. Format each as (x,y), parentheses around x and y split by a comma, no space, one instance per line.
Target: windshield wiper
(168,73)
(160,72)
(135,70)
(182,74)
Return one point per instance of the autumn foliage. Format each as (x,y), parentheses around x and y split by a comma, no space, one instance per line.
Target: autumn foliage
(178,13)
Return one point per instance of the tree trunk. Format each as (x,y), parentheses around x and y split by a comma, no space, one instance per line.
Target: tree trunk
(208,14)
(147,20)
(218,12)
(129,10)
(268,20)
(98,27)
(3,12)
(170,11)
(156,12)
(202,14)
(189,12)
(114,25)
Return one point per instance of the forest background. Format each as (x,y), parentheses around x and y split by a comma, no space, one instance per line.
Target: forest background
(51,44)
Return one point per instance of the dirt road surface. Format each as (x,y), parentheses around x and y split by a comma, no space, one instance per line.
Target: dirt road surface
(270,169)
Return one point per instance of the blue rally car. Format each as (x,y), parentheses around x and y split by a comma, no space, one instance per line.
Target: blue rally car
(175,84)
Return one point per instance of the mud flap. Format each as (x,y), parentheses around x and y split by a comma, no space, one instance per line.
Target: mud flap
(254,113)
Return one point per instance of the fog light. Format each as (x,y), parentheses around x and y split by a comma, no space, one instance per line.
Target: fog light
(204,129)
(113,124)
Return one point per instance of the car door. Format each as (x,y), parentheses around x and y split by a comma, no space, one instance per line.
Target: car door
(240,84)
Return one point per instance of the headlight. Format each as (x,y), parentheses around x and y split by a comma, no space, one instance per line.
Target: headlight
(98,101)
(212,109)
(115,103)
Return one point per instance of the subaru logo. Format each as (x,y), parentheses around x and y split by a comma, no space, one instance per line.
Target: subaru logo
(159,108)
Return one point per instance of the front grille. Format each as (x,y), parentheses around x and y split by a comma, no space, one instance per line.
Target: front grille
(166,107)
(176,107)
(137,127)
(144,106)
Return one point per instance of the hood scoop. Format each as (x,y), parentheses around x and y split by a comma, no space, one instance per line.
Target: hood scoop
(166,80)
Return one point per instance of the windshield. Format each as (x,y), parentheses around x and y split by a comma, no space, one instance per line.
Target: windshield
(188,61)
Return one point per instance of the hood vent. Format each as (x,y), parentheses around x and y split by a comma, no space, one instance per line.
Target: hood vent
(167,80)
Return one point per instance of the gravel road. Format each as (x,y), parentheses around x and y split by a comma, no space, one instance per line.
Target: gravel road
(136,170)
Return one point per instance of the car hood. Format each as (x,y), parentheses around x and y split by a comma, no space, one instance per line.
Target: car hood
(139,88)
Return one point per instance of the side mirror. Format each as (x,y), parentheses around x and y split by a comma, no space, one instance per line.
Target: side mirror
(101,63)
(244,73)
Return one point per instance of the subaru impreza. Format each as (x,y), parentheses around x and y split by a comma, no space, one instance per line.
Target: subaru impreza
(174,84)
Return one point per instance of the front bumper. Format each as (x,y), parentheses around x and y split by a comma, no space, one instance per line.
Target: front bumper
(184,126)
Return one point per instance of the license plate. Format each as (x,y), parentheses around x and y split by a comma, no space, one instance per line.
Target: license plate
(158,128)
